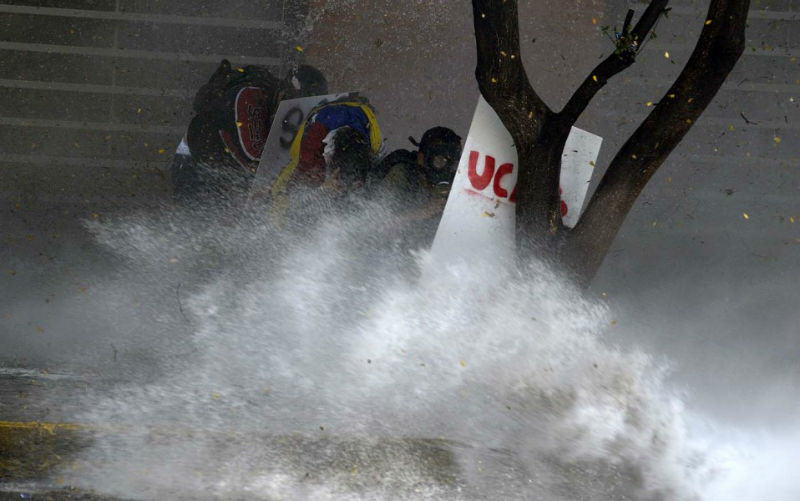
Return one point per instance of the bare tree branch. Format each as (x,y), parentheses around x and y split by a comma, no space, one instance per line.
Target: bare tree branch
(615,63)
(720,45)
(500,73)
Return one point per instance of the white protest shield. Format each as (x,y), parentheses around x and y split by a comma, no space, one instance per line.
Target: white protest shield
(478,219)
(478,222)
(577,164)
(285,126)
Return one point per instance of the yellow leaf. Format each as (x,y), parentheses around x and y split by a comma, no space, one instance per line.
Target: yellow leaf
(299,48)
(594,20)
(666,54)
(777,140)
(708,22)
(594,77)
(746,215)
(463,364)
(161,151)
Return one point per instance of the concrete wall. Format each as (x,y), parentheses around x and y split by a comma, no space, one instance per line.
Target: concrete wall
(96,93)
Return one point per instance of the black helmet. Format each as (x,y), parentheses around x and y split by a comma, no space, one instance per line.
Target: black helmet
(351,155)
(442,149)
(308,81)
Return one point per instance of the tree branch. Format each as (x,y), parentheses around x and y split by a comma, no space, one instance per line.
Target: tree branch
(500,73)
(720,45)
(615,63)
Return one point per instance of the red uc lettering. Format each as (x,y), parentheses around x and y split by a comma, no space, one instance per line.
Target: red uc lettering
(480,181)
